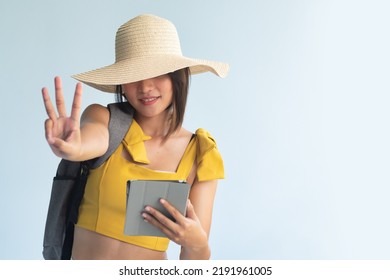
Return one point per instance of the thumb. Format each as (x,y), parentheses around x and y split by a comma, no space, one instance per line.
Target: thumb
(191,211)
(49,130)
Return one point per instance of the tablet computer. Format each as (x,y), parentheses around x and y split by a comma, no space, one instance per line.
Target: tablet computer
(141,193)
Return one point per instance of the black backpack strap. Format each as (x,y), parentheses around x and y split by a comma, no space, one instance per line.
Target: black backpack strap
(121,116)
(73,211)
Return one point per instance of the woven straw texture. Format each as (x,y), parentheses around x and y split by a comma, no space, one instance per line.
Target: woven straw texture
(146,46)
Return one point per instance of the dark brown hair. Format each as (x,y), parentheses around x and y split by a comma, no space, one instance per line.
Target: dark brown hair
(180,85)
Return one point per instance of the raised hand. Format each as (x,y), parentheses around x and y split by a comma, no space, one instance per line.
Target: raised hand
(63,132)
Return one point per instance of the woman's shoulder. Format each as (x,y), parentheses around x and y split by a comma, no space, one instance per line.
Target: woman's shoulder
(96,113)
(96,108)
(205,139)
(208,157)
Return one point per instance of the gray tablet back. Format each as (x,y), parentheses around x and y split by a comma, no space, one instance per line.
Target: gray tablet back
(141,193)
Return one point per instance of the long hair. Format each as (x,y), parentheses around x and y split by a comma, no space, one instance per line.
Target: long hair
(180,85)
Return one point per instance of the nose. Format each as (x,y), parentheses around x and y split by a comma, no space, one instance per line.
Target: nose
(146,86)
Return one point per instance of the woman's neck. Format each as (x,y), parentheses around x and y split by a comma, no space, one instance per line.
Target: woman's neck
(155,127)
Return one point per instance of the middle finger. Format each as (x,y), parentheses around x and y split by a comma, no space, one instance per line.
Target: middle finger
(161,219)
(59,97)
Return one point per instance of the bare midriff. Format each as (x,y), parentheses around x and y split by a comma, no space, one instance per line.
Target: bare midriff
(89,245)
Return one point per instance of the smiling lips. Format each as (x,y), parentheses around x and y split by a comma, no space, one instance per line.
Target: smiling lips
(149,100)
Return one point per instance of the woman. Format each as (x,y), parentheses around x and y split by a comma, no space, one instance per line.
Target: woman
(152,75)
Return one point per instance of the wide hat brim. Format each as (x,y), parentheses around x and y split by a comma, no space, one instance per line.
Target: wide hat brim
(136,69)
(146,46)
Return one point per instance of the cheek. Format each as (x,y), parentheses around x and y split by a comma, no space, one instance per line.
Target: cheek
(166,83)
(168,95)
(168,89)
(130,98)
(128,88)
(129,92)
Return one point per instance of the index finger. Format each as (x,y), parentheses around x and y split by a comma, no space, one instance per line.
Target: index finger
(175,213)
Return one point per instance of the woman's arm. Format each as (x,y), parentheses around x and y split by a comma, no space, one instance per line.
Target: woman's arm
(66,135)
(202,199)
(94,131)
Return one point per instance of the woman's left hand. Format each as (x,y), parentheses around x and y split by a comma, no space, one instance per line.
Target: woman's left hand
(187,231)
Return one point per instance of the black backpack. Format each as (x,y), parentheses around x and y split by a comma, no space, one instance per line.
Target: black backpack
(69,184)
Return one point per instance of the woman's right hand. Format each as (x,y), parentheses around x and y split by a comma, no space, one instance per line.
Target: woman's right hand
(63,132)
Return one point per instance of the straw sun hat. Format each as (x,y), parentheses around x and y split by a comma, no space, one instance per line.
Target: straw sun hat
(146,46)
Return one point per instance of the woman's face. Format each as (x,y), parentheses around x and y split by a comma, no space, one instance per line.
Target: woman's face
(150,97)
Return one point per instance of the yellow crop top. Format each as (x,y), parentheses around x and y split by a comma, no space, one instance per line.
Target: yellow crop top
(103,206)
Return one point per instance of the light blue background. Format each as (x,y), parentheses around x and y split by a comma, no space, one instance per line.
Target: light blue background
(302,120)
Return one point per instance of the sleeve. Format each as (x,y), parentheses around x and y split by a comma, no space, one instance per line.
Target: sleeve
(208,158)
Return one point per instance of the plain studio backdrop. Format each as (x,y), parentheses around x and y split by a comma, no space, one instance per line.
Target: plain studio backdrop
(302,120)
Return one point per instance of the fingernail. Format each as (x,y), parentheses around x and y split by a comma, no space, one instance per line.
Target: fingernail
(144,216)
